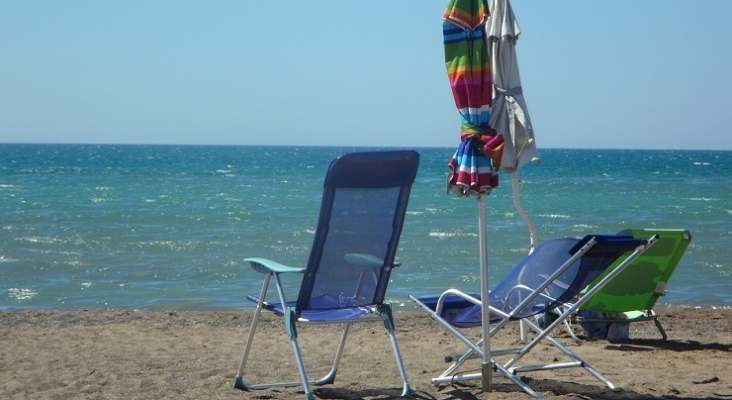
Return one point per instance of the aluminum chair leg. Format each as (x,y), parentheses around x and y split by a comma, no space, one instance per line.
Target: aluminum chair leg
(238,381)
(499,371)
(389,323)
(544,334)
(570,331)
(330,376)
(660,327)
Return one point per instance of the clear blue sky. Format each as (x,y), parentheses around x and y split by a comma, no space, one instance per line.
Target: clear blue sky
(596,74)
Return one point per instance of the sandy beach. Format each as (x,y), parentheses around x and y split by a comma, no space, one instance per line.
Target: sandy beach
(121,354)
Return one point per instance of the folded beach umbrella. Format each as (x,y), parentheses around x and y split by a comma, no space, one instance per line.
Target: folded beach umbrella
(473,168)
(469,72)
(509,115)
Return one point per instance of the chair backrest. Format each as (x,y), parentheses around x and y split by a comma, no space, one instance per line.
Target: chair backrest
(362,212)
(534,271)
(644,281)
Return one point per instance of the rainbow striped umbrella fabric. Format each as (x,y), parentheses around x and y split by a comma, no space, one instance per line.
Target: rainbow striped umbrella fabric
(474,166)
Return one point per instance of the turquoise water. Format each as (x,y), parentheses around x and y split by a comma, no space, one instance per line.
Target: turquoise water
(166,227)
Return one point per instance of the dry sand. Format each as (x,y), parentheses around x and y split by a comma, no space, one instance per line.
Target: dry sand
(118,354)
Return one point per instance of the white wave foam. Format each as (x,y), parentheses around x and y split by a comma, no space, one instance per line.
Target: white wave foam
(21,294)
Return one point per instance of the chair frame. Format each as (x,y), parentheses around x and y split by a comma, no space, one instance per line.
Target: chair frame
(508,369)
(363,170)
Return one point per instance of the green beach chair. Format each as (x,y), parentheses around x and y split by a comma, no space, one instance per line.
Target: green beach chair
(633,294)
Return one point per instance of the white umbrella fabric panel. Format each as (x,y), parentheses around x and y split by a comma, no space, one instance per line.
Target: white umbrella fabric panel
(510,115)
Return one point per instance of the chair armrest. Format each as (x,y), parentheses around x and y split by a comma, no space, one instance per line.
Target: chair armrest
(267,266)
(366,261)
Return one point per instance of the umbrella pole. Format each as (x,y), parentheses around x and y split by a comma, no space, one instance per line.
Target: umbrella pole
(486,370)
(515,184)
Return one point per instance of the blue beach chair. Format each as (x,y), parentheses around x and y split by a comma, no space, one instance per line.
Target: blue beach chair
(362,211)
(553,275)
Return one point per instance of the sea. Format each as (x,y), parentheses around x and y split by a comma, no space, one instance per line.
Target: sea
(165,227)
